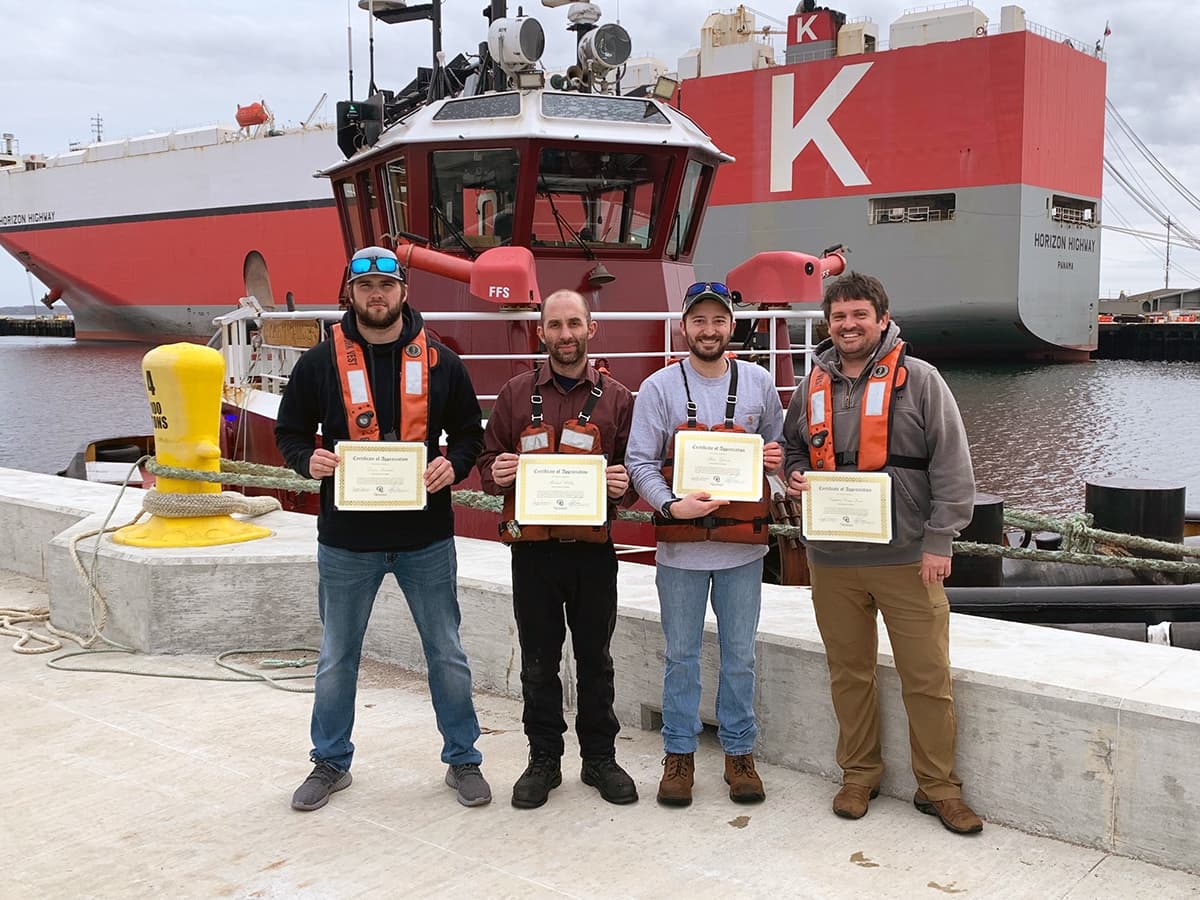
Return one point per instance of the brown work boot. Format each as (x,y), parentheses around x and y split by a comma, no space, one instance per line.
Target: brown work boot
(852,800)
(744,784)
(955,815)
(679,773)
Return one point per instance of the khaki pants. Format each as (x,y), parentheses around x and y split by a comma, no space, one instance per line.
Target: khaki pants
(918,623)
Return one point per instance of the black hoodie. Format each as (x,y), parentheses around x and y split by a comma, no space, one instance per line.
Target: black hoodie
(314,397)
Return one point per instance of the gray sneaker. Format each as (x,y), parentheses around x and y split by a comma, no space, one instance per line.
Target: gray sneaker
(469,782)
(324,780)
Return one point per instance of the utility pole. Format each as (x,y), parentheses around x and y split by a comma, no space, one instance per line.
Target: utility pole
(98,127)
(1167,275)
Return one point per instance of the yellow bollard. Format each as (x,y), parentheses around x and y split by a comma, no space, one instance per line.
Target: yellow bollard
(183,385)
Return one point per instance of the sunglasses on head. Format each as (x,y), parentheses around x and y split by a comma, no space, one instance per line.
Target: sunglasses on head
(384,264)
(702,287)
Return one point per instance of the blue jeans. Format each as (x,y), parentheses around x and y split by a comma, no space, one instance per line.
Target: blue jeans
(348,584)
(683,596)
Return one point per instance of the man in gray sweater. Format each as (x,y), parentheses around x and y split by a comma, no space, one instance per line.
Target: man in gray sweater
(706,545)
(867,406)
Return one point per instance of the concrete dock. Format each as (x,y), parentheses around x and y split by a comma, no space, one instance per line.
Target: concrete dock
(126,786)
(135,786)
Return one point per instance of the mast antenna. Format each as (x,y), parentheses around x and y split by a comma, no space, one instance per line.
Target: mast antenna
(350,46)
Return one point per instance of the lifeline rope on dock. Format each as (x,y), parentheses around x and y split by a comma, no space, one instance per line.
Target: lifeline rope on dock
(167,505)
(28,640)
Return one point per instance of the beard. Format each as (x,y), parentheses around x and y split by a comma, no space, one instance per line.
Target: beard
(378,318)
(708,355)
(864,348)
(567,355)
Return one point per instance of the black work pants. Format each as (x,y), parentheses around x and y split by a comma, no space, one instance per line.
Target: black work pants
(578,579)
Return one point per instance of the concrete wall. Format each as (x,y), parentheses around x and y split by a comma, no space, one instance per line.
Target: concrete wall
(1084,738)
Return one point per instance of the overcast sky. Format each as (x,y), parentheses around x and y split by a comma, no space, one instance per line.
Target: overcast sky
(152,66)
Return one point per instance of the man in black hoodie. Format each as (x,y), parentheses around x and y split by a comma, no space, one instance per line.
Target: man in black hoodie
(378,377)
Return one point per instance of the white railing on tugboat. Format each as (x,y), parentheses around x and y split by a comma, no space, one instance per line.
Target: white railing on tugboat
(252,361)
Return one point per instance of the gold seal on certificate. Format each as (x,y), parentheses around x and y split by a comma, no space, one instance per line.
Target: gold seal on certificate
(726,464)
(380,475)
(848,506)
(561,489)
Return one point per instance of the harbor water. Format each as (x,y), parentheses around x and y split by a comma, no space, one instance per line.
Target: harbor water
(1037,432)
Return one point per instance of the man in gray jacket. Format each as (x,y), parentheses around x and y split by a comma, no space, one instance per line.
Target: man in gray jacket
(867,406)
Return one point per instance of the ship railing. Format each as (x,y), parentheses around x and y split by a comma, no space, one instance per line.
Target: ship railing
(802,56)
(895,214)
(1070,216)
(1059,37)
(252,361)
(936,7)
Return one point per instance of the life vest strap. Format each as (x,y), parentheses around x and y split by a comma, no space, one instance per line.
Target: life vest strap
(536,399)
(708,523)
(731,399)
(894,460)
(593,398)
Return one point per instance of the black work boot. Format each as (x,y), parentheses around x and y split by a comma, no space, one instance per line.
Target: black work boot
(613,782)
(541,776)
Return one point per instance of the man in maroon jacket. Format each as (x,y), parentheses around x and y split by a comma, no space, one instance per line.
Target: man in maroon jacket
(562,406)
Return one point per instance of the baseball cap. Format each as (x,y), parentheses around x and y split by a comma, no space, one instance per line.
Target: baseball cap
(707,290)
(377,260)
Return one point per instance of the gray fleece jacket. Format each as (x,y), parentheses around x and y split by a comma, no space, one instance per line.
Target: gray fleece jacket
(929,508)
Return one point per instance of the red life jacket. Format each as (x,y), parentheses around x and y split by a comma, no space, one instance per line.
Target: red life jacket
(580,435)
(888,376)
(741,522)
(361,417)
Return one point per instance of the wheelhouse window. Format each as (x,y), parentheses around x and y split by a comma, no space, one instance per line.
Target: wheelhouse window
(695,187)
(396,180)
(914,208)
(351,214)
(472,197)
(603,108)
(489,106)
(600,198)
(370,207)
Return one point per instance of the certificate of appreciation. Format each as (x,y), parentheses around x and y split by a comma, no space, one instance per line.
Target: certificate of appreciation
(561,489)
(726,464)
(848,506)
(380,475)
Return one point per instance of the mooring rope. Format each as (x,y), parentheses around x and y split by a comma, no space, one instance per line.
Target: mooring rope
(1079,547)
(226,503)
(245,474)
(1080,541)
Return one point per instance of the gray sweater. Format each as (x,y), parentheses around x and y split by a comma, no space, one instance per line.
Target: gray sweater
(661,406)
(929,508)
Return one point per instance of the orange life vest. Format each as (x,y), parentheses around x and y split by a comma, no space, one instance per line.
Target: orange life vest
(361,417)
(888,376)
(579,435)
(741,522)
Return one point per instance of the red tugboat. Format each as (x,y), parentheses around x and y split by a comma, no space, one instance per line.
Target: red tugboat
(507,185)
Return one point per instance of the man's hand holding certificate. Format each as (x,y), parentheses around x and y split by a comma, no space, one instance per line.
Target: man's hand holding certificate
(561,489)
(380,475)
(725,465)
(845,506)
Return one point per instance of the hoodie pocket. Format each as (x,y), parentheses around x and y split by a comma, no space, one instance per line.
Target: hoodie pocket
(907,510)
